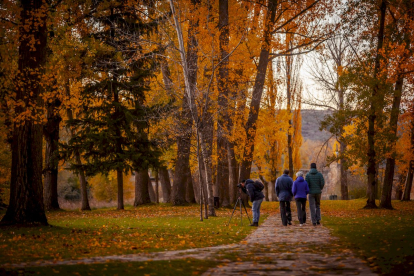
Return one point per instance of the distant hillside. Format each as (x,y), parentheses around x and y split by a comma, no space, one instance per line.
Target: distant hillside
(311,122)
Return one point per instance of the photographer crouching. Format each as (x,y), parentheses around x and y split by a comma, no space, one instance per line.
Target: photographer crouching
(256,196)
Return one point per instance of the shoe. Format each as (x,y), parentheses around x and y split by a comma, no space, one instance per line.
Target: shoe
(300,224)
(256,224)
(289,222)
(314,224)
(318,223)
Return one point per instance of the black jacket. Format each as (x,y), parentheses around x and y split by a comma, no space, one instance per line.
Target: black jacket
(251,190)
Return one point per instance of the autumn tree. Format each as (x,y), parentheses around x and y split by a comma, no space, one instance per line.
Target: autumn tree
(111,131)
(279,17)
(26,193)
(326,68)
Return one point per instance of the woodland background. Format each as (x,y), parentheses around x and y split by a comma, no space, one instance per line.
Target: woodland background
(201,94)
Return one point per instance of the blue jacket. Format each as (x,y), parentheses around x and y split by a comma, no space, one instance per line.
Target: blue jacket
(284,188)
(253,193)
(300,188)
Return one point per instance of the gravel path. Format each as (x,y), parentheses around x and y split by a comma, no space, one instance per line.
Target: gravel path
(271,250)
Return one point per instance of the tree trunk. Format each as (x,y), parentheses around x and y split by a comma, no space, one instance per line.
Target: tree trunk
(389,169)
(266,187)
(118,151)
(151,191)
(157,188)
(289,109)
(273,190)
(51,133)
(81,174)
(399,191)
(222,181)
(189,194)
(409,182)
(343,171)
(206,137)
(26,187)
(120,181)
(141,188)
(182,167)
(165,184)
(371,170)
(251,125)
(233,173)
(202,180)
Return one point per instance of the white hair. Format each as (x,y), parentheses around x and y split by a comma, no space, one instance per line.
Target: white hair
(299,174)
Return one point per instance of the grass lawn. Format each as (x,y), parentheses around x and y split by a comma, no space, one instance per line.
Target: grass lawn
(102,232)
(185,267)
(384,238)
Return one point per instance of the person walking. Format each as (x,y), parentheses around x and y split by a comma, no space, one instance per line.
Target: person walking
(316,182)
(256,197)
(283,189)
(300,190)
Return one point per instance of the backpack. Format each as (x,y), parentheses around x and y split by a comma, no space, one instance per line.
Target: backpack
(258,185)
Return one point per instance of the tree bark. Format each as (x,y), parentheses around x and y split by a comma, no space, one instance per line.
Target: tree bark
(233,173)
(151,190)
(266,187)
(157,188)
(120,181)
(165,184)
(251,125)
(190,192)
(222,180)
(182,169)
(26,187)
(408,182)
(410,174)
(118,151)
(371,170)
(390,166)
(141,188)
(81,174)
(51,133)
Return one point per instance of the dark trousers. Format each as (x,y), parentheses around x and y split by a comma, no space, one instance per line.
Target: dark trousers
(285,212)
(301,206)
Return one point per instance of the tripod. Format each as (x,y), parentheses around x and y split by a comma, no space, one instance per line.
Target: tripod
(240,202)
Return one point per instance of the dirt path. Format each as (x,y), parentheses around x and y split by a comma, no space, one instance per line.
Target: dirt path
(271,250)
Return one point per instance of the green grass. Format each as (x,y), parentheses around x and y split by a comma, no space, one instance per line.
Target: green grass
(185,267)
(76,234)
(384,238)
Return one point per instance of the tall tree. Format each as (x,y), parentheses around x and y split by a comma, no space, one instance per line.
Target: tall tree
(26,193)
(222,175)
(400,28)
(371,167)
(111,132)
(182,173)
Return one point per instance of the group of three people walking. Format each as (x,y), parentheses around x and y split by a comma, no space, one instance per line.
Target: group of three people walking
(310,187)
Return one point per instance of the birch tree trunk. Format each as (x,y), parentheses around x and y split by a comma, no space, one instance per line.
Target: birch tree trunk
(182,173)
